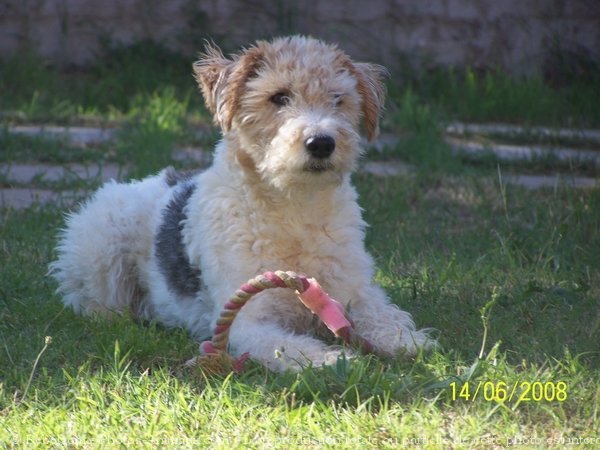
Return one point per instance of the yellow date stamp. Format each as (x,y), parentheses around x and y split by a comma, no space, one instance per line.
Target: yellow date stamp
(513,392)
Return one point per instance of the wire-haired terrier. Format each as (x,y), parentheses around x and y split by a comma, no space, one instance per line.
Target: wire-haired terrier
(173,247)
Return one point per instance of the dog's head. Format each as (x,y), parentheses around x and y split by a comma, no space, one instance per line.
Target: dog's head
(292,107)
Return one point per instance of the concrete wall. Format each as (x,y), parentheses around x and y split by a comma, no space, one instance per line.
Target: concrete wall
(522,36)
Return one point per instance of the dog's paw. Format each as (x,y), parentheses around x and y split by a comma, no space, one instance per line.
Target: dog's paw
(392,332)
(404,341)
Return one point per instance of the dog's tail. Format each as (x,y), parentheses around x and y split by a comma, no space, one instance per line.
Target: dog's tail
(102,247)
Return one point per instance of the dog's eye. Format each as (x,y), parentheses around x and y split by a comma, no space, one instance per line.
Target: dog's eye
(280,99)
(338,99)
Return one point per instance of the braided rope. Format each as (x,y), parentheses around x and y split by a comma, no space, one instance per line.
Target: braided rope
(309,292)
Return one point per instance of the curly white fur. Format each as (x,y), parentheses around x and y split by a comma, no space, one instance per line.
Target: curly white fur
(266,203)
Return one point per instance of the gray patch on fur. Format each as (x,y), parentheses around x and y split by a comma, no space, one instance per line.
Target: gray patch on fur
(174,177)
(182,278)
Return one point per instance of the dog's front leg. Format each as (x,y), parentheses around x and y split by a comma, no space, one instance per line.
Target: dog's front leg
(277,348)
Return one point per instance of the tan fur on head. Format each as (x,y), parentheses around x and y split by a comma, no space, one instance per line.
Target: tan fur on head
(222,82)
(210,73)
(370,86)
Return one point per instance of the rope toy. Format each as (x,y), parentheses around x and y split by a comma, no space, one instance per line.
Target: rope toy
(215,358)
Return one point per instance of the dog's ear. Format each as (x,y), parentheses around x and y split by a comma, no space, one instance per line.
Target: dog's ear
(222,80)
(211,72)
(369,78)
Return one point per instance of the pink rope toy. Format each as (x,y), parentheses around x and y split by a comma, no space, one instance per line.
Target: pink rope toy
(310,293)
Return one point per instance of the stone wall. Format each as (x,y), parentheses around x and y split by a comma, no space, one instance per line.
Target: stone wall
(523,36)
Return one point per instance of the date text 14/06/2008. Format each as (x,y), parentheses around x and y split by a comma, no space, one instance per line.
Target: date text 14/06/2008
(502,392)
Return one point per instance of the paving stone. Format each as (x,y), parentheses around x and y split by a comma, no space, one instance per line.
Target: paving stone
(551,181)
(28,173)
(387,168)
(518,152)
(20,198)
(78,136)
(383,142)
(459,128)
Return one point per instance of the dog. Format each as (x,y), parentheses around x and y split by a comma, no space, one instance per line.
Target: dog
(173,247)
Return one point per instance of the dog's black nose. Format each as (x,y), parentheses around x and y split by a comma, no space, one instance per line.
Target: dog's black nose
(320,146)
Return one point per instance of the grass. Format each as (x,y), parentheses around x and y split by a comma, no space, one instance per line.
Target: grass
(103,382)
(108,90)
(509,279)
(46,150)
(499,97)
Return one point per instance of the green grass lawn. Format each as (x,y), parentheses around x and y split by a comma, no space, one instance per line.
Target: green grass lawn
(509,279)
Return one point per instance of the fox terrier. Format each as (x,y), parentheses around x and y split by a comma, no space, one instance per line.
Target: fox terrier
(174,246)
